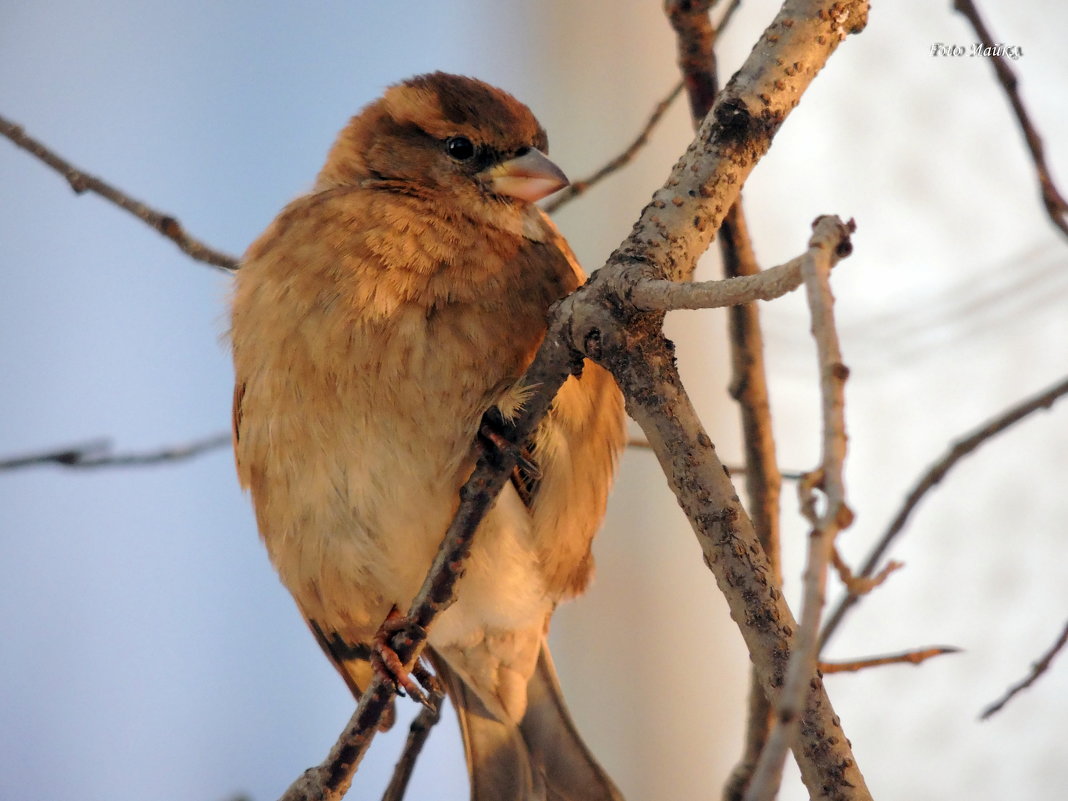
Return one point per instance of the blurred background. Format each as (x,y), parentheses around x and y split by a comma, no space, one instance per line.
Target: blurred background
(148,649)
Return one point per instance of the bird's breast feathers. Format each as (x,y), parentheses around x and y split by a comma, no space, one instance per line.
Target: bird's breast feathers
(381,338)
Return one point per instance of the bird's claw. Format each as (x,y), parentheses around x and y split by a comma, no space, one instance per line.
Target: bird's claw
(387,664)
(495,439)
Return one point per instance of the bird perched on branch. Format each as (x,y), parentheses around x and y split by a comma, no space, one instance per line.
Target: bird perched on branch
(375,322)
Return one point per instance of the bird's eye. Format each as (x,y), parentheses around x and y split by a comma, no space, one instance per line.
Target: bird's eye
(459,148)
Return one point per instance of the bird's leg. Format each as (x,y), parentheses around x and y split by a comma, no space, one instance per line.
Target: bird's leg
(388,665)
(495,438)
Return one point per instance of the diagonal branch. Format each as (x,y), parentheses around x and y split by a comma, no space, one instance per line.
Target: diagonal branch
(583,185)
(1037,669)
(932,477)
(82,182)
(1052,199)
(642,361)
(696,38)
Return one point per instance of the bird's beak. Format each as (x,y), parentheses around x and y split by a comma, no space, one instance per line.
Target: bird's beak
(528,177)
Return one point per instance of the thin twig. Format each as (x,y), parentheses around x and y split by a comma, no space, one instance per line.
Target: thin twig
(98,453)
(1052,199)
(931,478)
(905,658)
(581,186)
(728,14)
(829,242)
(861,585)
(1037,669)
(82,182)
(418,733)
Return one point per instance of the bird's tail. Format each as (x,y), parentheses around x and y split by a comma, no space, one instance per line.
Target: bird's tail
(541,759)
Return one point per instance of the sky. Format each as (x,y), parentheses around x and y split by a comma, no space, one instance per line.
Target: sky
(149,650)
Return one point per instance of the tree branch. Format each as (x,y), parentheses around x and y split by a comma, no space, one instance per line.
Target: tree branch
(98,453)
(932,477)
(1037,669)
(830,241)
(659,294)
(1052,199)
(418,732)
(580,187)
(905,658)
(696,38)
(82,182)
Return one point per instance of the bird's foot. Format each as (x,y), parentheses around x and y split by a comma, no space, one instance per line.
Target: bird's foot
(388,665)
(496,437)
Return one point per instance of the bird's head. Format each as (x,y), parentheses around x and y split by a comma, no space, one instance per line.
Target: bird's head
(445,134)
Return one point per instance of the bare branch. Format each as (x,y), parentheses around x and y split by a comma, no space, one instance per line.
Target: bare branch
(932,477)
(728,14)
(905,658)
(576,188)
(1037,669)
(695,38)
(82,182)
(829,242)
(749,387)
(658,294)
(1052,199)
(861,585)
(418,733)
(98,453)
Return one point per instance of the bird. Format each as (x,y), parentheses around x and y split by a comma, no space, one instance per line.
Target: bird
(374,325)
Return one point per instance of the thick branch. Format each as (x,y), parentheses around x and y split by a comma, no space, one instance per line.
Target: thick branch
(82,182)
(696,37)
(643,363)
(684,215)
(932,477)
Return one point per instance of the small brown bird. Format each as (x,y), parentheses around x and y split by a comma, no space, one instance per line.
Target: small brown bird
(375,322)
